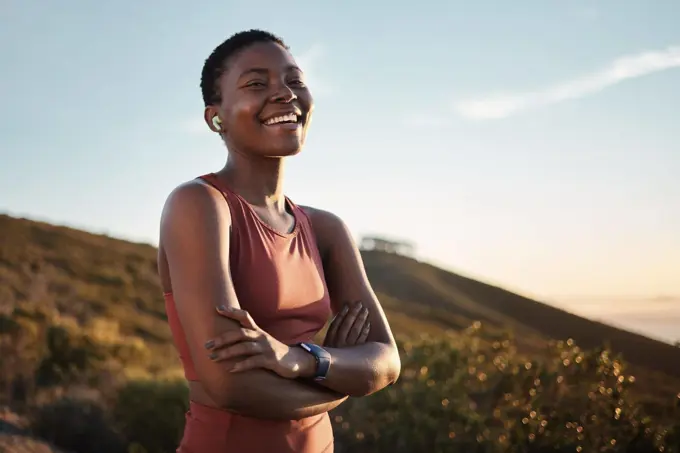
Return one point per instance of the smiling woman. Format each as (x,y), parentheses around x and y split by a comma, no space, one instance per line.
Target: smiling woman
(250,277)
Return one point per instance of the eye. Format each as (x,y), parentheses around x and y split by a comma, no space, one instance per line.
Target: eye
(256,84)
(297,82)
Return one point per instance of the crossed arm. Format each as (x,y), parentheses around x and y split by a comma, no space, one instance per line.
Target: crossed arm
(194,240)
(369,367)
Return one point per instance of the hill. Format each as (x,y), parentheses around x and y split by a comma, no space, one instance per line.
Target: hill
(85,355)
(90,276)
(455,300)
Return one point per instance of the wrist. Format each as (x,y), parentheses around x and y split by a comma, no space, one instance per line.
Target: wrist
(306,362)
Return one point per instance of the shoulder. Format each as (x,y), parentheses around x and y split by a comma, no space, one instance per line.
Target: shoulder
(330,230)
(192,190)
(323,221)
(194,202)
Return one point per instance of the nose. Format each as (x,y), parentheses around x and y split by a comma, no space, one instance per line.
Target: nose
(284,94)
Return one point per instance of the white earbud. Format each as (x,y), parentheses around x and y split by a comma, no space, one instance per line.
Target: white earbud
(217,122)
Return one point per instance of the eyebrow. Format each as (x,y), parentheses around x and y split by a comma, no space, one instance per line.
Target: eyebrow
(291,67)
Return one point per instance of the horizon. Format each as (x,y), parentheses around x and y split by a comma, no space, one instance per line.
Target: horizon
(547,167)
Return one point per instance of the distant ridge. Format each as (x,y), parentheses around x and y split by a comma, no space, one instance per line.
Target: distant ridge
(402,277)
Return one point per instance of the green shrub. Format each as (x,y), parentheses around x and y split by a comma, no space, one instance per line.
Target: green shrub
(469,395)
(468,392)
(20,353)
(77,425)
(151,414)
(70,356)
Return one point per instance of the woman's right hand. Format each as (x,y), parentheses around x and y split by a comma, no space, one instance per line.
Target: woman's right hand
(349,328)
(257,349)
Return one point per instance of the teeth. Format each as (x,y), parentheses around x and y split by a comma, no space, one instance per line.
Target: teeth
(292,117)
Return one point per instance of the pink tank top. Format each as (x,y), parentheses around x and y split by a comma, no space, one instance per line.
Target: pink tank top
(279,279)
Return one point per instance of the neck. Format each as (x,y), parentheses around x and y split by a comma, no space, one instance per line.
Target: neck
(258,180)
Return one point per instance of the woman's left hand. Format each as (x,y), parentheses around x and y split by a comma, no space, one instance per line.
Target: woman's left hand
(349,328)
(260,349)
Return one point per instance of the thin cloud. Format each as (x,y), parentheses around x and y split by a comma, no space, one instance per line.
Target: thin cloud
(624,68)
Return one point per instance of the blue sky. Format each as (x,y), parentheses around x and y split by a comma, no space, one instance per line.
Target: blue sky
(531,143)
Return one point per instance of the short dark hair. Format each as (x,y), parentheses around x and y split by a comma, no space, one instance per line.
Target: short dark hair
(216,63)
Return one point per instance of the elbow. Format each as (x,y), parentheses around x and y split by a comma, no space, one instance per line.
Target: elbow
(384,374)
(392,368)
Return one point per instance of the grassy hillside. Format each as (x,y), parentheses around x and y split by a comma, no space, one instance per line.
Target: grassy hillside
(91,277)
(454,300)
(485,369)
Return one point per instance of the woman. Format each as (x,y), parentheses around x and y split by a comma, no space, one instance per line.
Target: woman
(250,278)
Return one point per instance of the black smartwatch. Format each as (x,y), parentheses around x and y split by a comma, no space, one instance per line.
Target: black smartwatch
(323,359)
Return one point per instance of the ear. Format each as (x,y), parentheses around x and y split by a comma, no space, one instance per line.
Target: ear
(213,120)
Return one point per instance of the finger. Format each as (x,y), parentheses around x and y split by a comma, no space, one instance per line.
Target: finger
(231,337)
(357,327)
(333,328)
(348,322)
(331,332)
(251,363)
(245,348)
(237,314)
(364,333)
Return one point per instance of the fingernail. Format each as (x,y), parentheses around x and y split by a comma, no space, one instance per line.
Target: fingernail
(345,309)
(209,344)
(213,355)
(221,308)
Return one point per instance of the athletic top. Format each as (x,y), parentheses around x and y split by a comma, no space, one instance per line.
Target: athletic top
(279,280)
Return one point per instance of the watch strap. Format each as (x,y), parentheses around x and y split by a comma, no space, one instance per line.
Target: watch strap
(322,357)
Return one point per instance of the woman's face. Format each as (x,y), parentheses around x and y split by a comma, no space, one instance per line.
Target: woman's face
(266,107)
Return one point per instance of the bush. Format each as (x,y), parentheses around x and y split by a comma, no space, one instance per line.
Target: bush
(470,395)
(469,392)
(70,356)
(151,414)
(77,425)
(19,357)
(43,349)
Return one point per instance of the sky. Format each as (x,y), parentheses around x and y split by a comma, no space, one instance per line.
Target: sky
(531,144)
